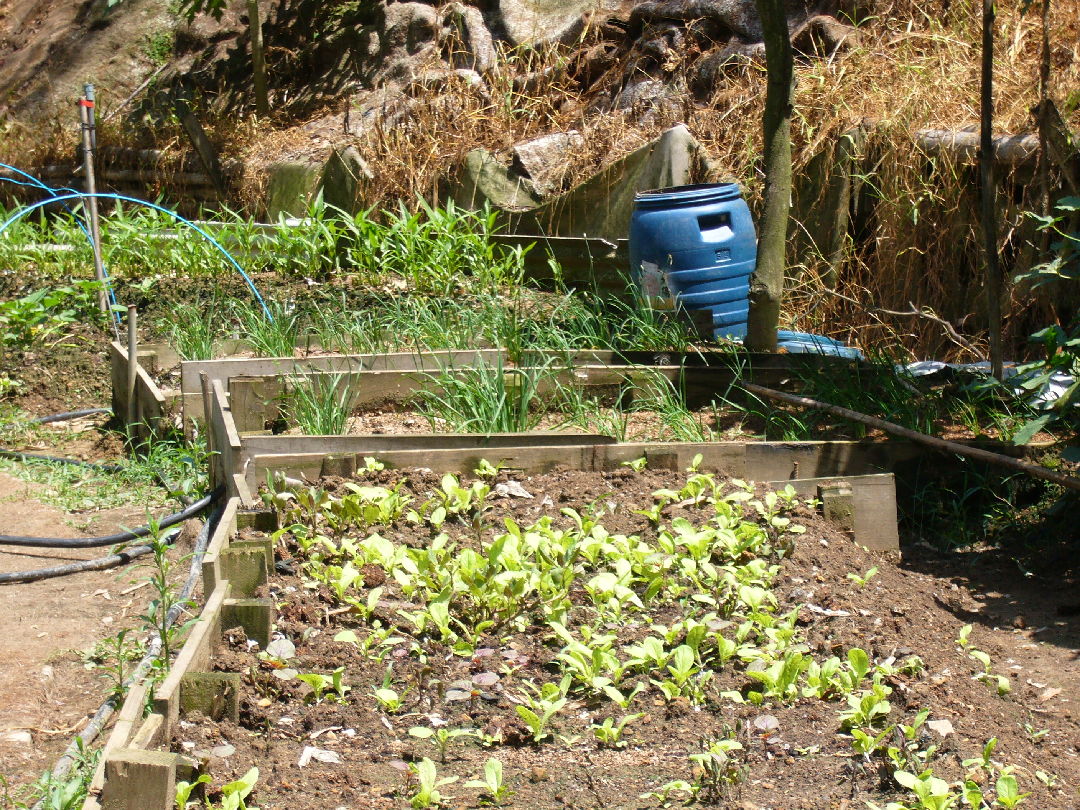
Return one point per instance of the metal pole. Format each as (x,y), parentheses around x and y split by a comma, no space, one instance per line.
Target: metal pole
(89,142)
(133,369)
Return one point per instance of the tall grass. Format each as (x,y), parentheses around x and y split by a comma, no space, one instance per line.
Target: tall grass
(484,399)
(318,403)
(276,336)
(192,330)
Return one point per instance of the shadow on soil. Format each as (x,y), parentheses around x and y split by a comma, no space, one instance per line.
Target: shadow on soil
(1028,581)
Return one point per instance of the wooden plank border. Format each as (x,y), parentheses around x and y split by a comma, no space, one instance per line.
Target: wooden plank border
(152,405)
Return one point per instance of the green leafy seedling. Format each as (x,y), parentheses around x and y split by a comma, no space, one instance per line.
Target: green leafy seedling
(610,732)
(185,789)
(863,580)
(492,783)
(428,783)
(441,737)
(234,794)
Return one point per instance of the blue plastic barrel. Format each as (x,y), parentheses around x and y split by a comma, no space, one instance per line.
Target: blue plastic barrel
(695,247)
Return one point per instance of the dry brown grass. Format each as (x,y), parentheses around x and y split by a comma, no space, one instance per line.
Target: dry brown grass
(914,67)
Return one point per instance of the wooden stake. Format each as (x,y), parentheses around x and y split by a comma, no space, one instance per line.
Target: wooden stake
(132,370)
(988,192)
(1034,470)
(258,63)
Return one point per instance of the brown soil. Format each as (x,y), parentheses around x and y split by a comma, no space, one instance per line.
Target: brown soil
(913,605)
(46,627)
(48,48)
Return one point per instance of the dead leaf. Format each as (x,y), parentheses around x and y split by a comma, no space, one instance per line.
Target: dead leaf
(310,752)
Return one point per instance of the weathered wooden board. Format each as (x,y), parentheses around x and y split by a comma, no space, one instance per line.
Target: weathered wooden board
(193,656)
(227,368)
(151,403)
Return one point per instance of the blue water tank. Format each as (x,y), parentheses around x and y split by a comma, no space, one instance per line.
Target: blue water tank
(695,247)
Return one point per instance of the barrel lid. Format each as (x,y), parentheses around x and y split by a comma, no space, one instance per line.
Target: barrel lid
(676,196)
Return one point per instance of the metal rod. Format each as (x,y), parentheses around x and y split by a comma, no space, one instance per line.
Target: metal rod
(1034,470)
(133,369)
(89,142)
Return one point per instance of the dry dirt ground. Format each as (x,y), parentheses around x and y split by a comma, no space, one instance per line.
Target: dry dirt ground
(46,692)
(49,48)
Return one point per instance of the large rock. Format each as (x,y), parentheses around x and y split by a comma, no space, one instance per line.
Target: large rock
(468,24)
(545,160)
(291,188)
(601,206)
(483,179)
(343,177)
(540,22)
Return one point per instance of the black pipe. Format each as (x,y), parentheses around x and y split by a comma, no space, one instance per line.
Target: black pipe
(63,417)
(74,462)
(112,539)
(98,564)
(108,708)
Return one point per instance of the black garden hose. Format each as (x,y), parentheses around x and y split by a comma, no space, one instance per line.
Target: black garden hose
(66,415)
(112,539)
(98,564)
(74,462)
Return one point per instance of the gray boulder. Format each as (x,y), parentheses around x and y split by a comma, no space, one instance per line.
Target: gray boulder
(601,206)
(543,22)
(545,160)
(342,179)
(484,179)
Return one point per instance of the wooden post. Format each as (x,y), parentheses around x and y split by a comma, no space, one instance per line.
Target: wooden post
(132,372)
(203,148)
(208,402)
(89,143)
(137,780)
(767,280)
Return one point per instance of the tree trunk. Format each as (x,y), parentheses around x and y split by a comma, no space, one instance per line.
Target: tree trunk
(1043,116)
(988,189)
(258,64)
(767,281)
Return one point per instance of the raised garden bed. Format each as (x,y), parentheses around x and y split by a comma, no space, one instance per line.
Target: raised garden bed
(610,639)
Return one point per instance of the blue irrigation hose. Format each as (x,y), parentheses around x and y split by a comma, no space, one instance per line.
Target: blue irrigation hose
(39,184)
(108,196)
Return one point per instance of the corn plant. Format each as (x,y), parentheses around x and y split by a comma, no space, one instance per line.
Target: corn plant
(274,336)
(484,399)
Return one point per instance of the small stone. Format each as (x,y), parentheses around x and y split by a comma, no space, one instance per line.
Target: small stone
(17,736)
(537,774)
(942,728)
(1019,622)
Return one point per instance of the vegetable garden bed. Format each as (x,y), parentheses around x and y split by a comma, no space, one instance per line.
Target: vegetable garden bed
(591,639)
